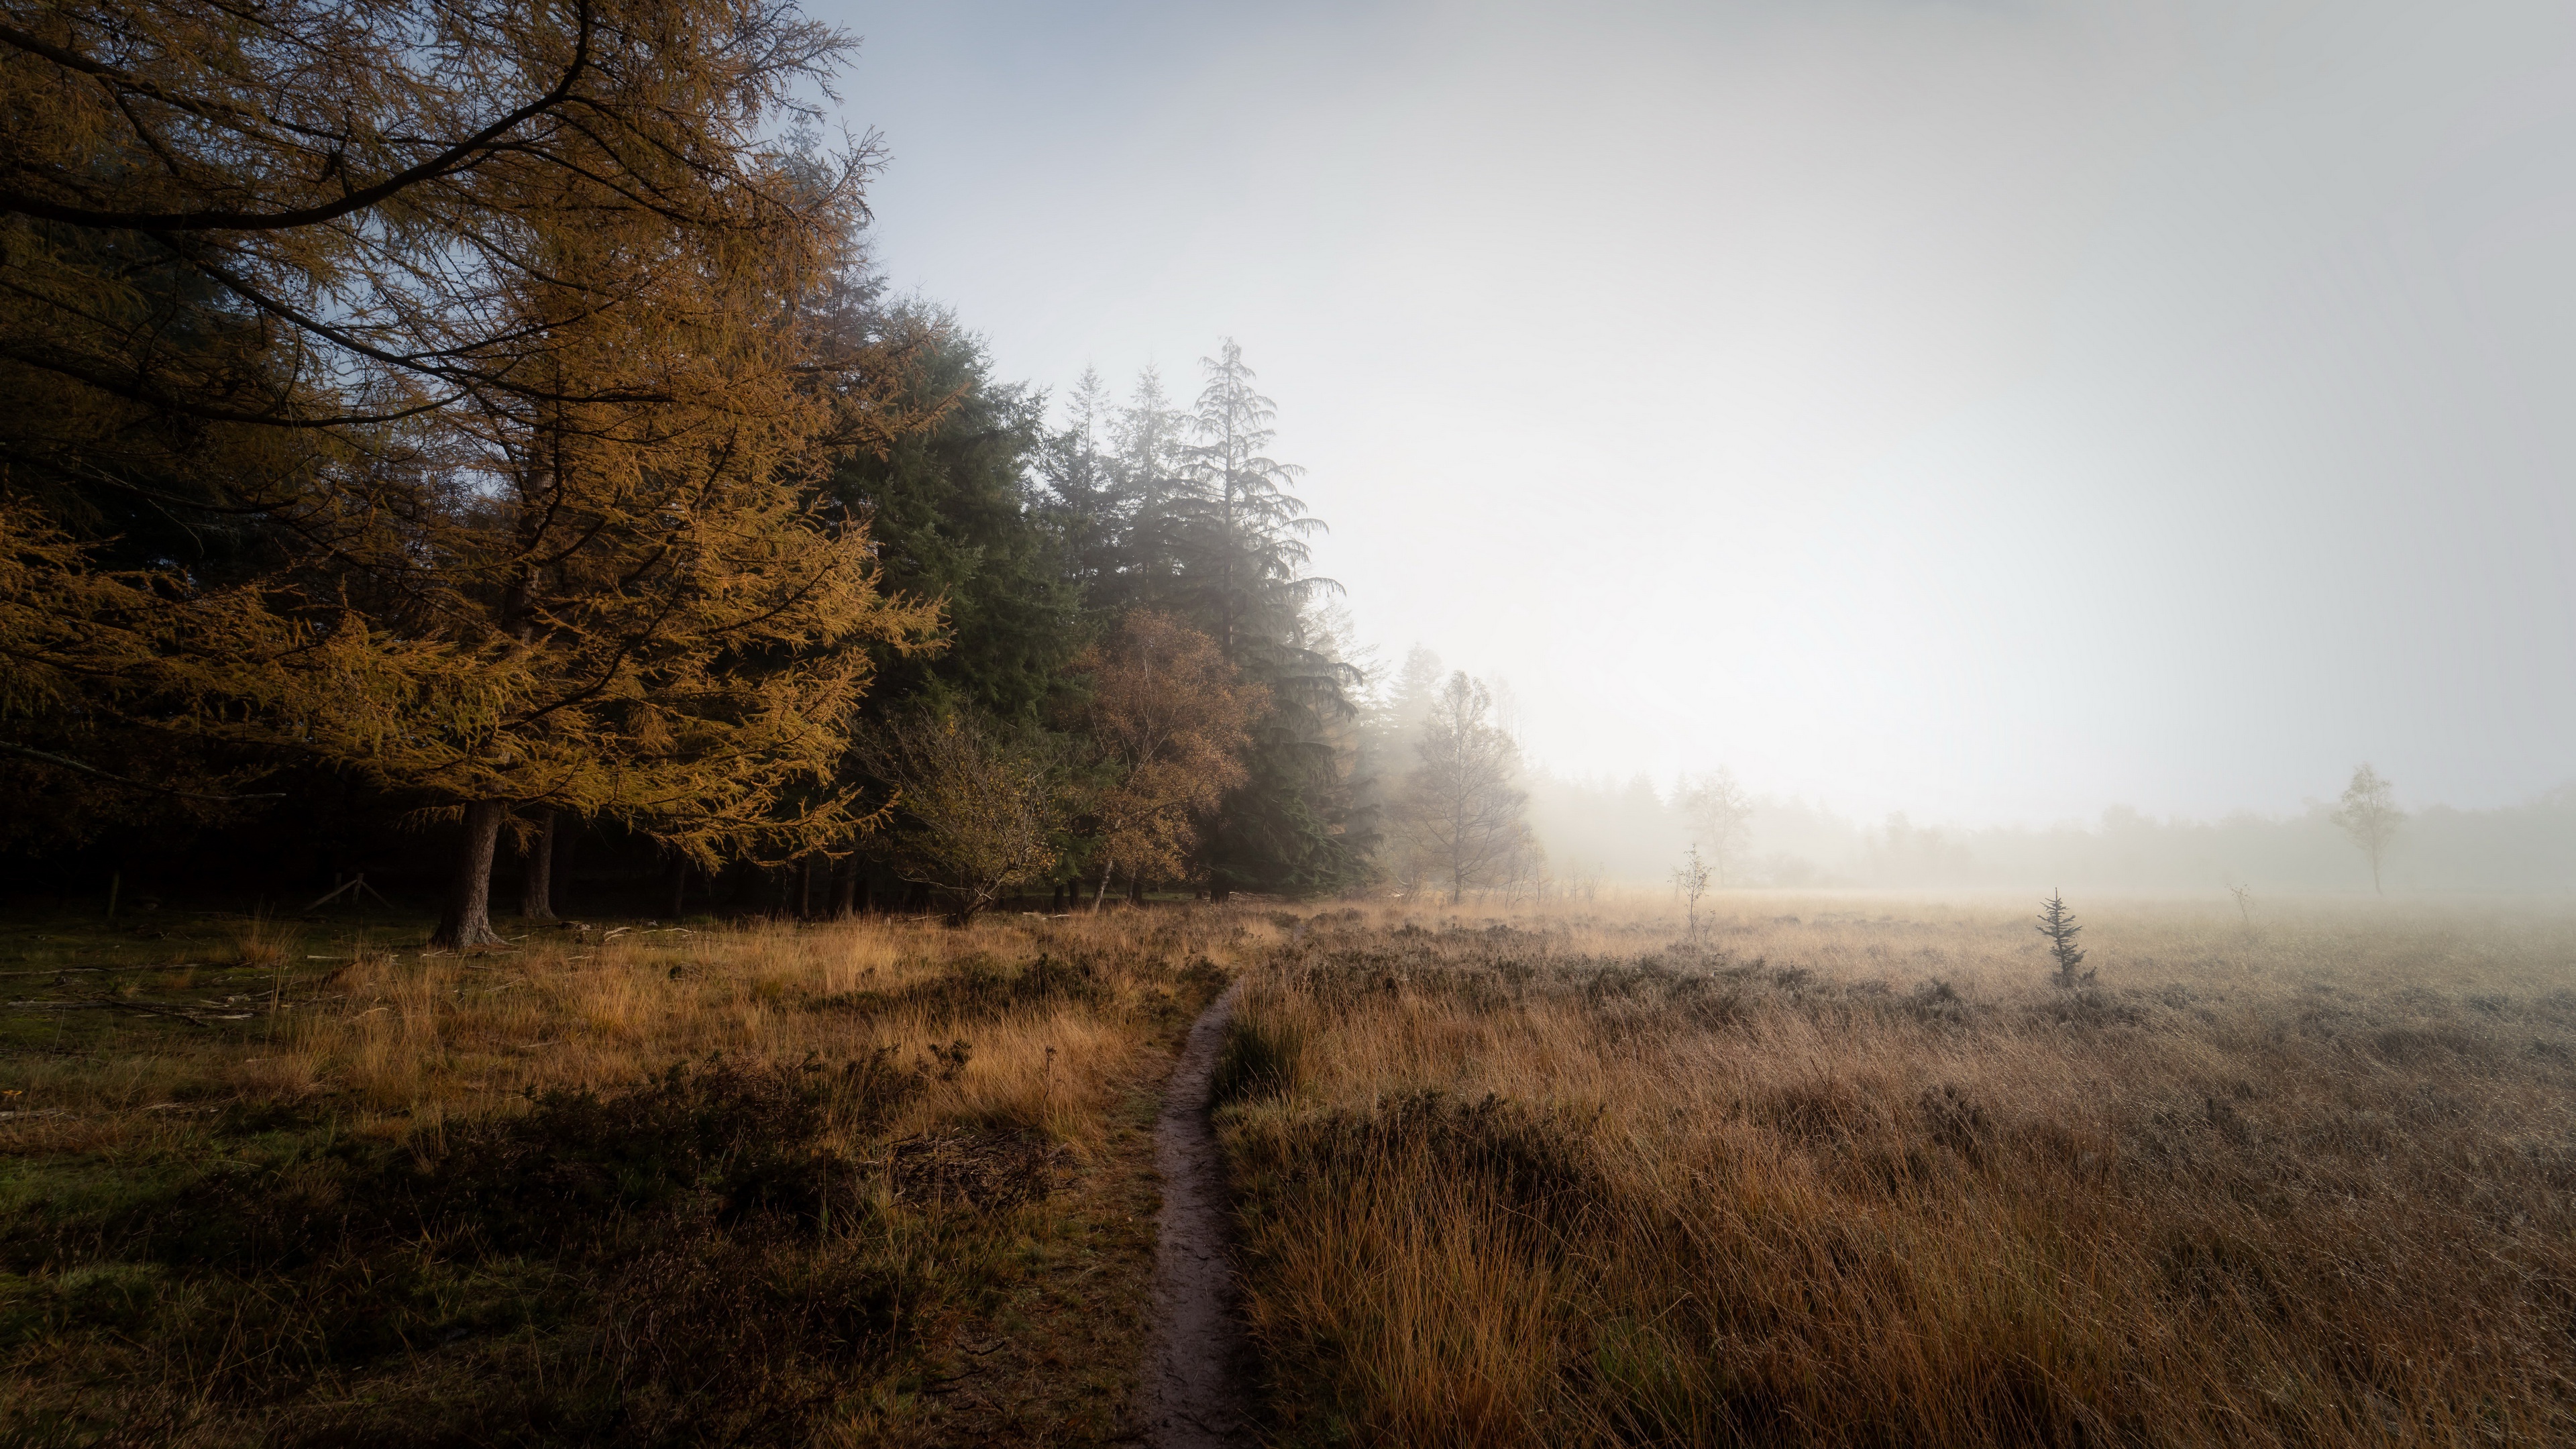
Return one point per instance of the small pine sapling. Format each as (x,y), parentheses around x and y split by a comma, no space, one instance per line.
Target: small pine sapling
(1691,879)
(2058,925)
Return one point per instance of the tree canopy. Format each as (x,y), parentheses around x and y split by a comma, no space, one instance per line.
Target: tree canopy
(493,411)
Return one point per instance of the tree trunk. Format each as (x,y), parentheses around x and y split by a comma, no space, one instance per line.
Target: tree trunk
(559,874)
(866,904)
(1136,889)
(1103,893)
(845,888)
(679,874)
(536,890)
(467,921)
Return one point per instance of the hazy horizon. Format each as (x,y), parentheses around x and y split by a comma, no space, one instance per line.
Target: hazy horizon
(1995,413)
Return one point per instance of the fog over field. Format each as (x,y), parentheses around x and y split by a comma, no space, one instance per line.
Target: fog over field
(1991,413)
(1818,723)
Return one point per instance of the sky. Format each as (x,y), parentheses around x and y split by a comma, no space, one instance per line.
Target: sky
(1994,411)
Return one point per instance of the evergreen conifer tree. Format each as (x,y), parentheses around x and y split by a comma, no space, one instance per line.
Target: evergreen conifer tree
(1236,536)
(1240,533)
(1146,437)
(956,518)
(1082,506)
(2058,925)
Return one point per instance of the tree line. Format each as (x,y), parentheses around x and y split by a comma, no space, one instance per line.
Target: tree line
(492,410)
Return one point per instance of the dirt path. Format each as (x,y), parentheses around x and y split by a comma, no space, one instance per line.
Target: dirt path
(1193,1370)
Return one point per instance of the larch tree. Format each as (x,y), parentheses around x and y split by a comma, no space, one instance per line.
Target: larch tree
(504,324)
(1169,721)
(1462,811)
(2368,815)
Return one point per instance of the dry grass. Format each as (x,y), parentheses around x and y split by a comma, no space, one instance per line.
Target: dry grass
(317,1190)
(1846,1172)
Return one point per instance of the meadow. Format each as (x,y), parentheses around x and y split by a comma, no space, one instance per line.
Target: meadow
(882,1182)
(1820,1170)
(1848,1171)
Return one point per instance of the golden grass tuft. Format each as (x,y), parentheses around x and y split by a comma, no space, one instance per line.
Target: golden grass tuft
(262,943)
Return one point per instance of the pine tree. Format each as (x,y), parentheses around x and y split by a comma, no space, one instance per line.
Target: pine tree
(955,517)
(2058,925)
(1083,506)
(1145,466)
(1296,825)
(1240,534)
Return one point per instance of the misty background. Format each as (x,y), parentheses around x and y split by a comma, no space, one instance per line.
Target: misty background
(2011,438)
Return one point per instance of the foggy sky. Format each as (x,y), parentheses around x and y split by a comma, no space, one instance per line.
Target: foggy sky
(1994,411)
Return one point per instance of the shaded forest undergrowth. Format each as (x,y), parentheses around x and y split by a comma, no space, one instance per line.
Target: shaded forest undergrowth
(882,1183)
(1864,1178)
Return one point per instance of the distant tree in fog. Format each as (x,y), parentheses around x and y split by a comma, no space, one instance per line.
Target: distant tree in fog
(1525,874)
(2369,814)
(1720,816)
(1461,814)
(1408,704)
(1389,732)
(1691,878)
(2244,901)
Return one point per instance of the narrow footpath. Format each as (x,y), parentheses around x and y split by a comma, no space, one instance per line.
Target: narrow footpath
(1193,1385)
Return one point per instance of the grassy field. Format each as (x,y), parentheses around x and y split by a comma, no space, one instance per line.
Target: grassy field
(297,1183)
(1848,1172)
(1834,1171)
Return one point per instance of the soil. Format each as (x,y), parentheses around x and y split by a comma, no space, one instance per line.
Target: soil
(1193,1388)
